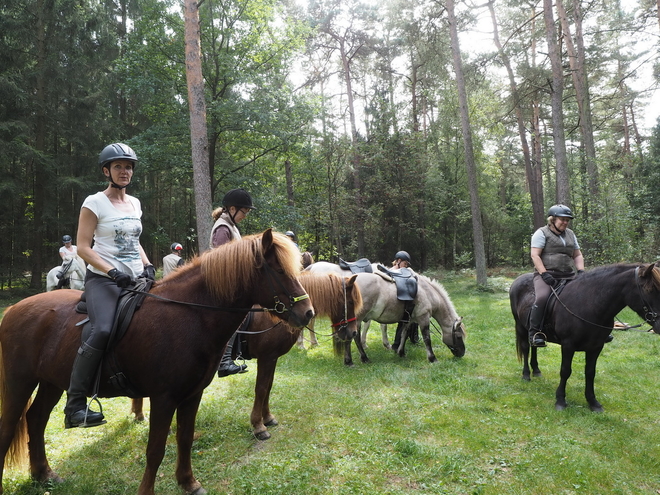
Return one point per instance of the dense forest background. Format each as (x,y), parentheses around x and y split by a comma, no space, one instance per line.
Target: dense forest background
(361,126)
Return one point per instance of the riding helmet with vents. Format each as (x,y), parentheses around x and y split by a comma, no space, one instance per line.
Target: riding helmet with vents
(117,151)
(560,211)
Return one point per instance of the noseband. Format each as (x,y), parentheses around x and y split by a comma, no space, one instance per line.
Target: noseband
(279,306)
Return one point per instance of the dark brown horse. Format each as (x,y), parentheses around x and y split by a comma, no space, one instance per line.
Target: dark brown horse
(583,316)
(267,338)
(39,340)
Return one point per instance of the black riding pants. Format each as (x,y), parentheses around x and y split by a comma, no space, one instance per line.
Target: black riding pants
(102,295)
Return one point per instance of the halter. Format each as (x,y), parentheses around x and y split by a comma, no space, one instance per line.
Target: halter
(280,307)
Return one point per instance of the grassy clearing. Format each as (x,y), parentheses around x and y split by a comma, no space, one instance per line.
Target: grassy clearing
(400,426)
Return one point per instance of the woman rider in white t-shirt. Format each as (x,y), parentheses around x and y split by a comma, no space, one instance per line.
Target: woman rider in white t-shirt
(110,221)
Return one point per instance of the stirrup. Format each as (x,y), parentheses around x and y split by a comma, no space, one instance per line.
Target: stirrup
(542,337)
(85,424)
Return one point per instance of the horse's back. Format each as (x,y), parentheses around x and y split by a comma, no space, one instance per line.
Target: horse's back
(47,311)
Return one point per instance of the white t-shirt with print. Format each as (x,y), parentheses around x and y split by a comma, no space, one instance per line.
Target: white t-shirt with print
(117,234)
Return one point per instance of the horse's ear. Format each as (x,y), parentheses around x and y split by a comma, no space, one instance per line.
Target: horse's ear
(267,240)
(647,269)
(351,280)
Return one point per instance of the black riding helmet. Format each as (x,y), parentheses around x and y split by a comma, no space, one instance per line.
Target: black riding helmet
(239,198)
(560,211)
(402,255)
(116,151)
(66,238)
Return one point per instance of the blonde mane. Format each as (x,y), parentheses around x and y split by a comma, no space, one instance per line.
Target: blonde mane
(231,269)
(327,293)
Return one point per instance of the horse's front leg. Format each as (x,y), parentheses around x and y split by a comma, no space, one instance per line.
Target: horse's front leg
(360,348)
(589,376)
(383,333)
(426,336)
(162,411)
(186,413)
(137,408)
(534,362)
(348,357)
(564,374)
(261,416)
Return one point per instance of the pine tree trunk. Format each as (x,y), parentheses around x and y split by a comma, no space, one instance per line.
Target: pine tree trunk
(198,133)
(477,227)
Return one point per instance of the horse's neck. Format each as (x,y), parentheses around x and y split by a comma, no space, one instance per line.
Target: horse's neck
(442,309)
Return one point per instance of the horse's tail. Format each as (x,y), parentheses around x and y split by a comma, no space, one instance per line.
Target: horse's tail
(17,456)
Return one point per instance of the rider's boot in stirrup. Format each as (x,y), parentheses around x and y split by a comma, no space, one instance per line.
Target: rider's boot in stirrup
(536,336)
(85,367)
(227,366)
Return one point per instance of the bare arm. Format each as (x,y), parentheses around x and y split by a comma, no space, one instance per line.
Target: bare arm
(578,259)
(536,259)
(86,227)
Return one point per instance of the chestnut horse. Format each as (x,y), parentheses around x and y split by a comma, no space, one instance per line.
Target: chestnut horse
(186,324)
(267,339)
(582,317)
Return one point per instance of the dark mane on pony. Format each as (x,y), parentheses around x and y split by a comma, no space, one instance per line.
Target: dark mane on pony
(326,296)
(231,268)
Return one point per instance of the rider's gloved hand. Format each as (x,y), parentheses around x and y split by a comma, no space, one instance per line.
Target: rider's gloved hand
(549,279)
(122,279)
(149,272)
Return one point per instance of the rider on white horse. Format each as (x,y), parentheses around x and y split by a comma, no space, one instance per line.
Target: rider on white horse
(66,252)
(402,260)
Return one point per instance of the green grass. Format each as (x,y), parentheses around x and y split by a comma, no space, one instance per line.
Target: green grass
(400,426)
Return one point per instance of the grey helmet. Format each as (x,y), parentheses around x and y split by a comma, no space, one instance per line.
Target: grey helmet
(117,151)
(560,211)
(66,238)
(402,255)
(290,233)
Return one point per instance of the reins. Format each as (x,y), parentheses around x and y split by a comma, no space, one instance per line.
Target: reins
(650,316)
(279,306)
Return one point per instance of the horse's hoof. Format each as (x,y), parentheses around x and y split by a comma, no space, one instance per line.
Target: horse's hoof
(272,422)
(527,378)
(537,373)
(262,435)
(597,408)
(198,491)
(560,407)
(433,359)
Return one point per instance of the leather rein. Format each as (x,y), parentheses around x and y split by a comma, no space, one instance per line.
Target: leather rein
(650,316)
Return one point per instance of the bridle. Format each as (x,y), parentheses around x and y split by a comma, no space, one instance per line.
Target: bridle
(343,324)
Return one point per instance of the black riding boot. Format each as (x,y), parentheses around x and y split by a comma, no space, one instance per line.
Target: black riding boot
(85,367)
(227,366)
(397,335)
(413,333)
(536,335)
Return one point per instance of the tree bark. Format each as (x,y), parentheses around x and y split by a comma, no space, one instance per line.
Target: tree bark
(557,93)
(475,209)
(576,58)
(534,188)
(198,133)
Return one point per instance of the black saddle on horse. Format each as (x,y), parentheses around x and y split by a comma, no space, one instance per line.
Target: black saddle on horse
(129,302)
(405,280)
(363,265)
